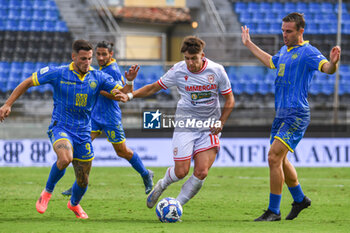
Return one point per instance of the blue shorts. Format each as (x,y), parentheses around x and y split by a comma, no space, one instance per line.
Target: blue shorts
(289,130)
(81,143)
(115,133)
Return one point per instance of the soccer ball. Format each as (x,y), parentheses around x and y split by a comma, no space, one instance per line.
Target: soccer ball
(169,210)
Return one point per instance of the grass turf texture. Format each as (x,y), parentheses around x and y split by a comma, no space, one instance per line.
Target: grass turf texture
(228,202)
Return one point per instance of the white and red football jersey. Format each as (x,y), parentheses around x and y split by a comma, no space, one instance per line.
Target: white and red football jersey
(199,91)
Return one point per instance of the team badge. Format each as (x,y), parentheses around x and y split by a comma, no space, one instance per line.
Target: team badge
(194,96)
(211,78)
(175,151)
(186,77)
(294,56)
(93,84)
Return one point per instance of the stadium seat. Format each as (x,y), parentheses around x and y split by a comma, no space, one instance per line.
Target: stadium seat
(238,87)
(315,88)
(36,25)
(265,7)
(301,7)
(277,6)
(258,17)
(38,15)
(51,15)
(240,7)
(14,14)
(3,14)
(315,7)
(275,28)
(252,7)
(245,17)
(26,5)
(61,26)
(263,88)
(250,88)
(289,7)
(14,4)
(324,7)
(11,25)
(49,26)
(327,88)
(24,25)
(311,28)
(26,14)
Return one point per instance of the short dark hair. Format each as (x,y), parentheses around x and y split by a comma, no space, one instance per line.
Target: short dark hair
(81,45)
(296,17)
(105,44)
(192,45)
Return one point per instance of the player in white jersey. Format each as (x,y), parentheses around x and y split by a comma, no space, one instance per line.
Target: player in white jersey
(198,117)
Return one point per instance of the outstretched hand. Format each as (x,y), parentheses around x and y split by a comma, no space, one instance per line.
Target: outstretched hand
(4,112)
(334,55)
(120,96)
(132,73)
(245,35)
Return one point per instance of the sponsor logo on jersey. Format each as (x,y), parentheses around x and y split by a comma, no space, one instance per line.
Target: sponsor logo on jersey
(201,88)
(68,83)
(200,95)
(211,78)
(44,70)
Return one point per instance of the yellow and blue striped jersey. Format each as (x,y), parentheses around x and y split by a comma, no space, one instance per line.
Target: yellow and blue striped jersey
(295,69)
(74,95)
(107,111)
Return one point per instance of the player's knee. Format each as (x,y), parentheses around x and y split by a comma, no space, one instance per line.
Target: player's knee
(181,173)
(62,163)
(274,160)
(83,182)
(201,174)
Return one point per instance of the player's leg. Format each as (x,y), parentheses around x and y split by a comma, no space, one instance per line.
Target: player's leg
(135,161)
(277,153)
(82,171)
(202,163)
(183,144)
(94,134)
(64,151)
(300,200)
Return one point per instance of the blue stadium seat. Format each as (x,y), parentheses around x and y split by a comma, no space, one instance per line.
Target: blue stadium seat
(14,14)
(245,17)
(14,4)
(3,13)
(24,25)
(38,15)
(240,7)
(51,15)
(301,7)
(277,6)
(26,5)
(315,7)
(252,7)
(263,28)
(51,5)
(36,25)
(289,7)
(344,9)
(325,7)
(344,87)
(11,25)
(39,4)
(315,88)
(258,17)
(327,28)
(28,67)
(264,88)
(4,4)
(311,28)
(250,88)
(49,26)
(265,7)
(275,28)
(40,65)
(26,14)
(238,87)
(330,18)
(327,88)
(61,26)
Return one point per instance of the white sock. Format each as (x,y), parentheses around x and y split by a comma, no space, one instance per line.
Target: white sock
(169,178)
(189,189)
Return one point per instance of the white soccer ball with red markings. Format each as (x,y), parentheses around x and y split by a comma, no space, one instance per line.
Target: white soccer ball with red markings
(169,210)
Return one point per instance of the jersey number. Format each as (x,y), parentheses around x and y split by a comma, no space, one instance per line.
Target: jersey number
(80,100)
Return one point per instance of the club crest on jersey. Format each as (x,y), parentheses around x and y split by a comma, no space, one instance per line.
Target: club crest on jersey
(63,134)
(294,56)
(211,78)
(186,77)
(93,84)
(175,151)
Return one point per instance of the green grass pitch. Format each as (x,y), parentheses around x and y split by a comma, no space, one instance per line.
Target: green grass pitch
(228,202)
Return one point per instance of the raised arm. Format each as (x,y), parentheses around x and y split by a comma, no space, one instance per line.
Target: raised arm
(130,76)
(331,66)
(259,53)
(5,110)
